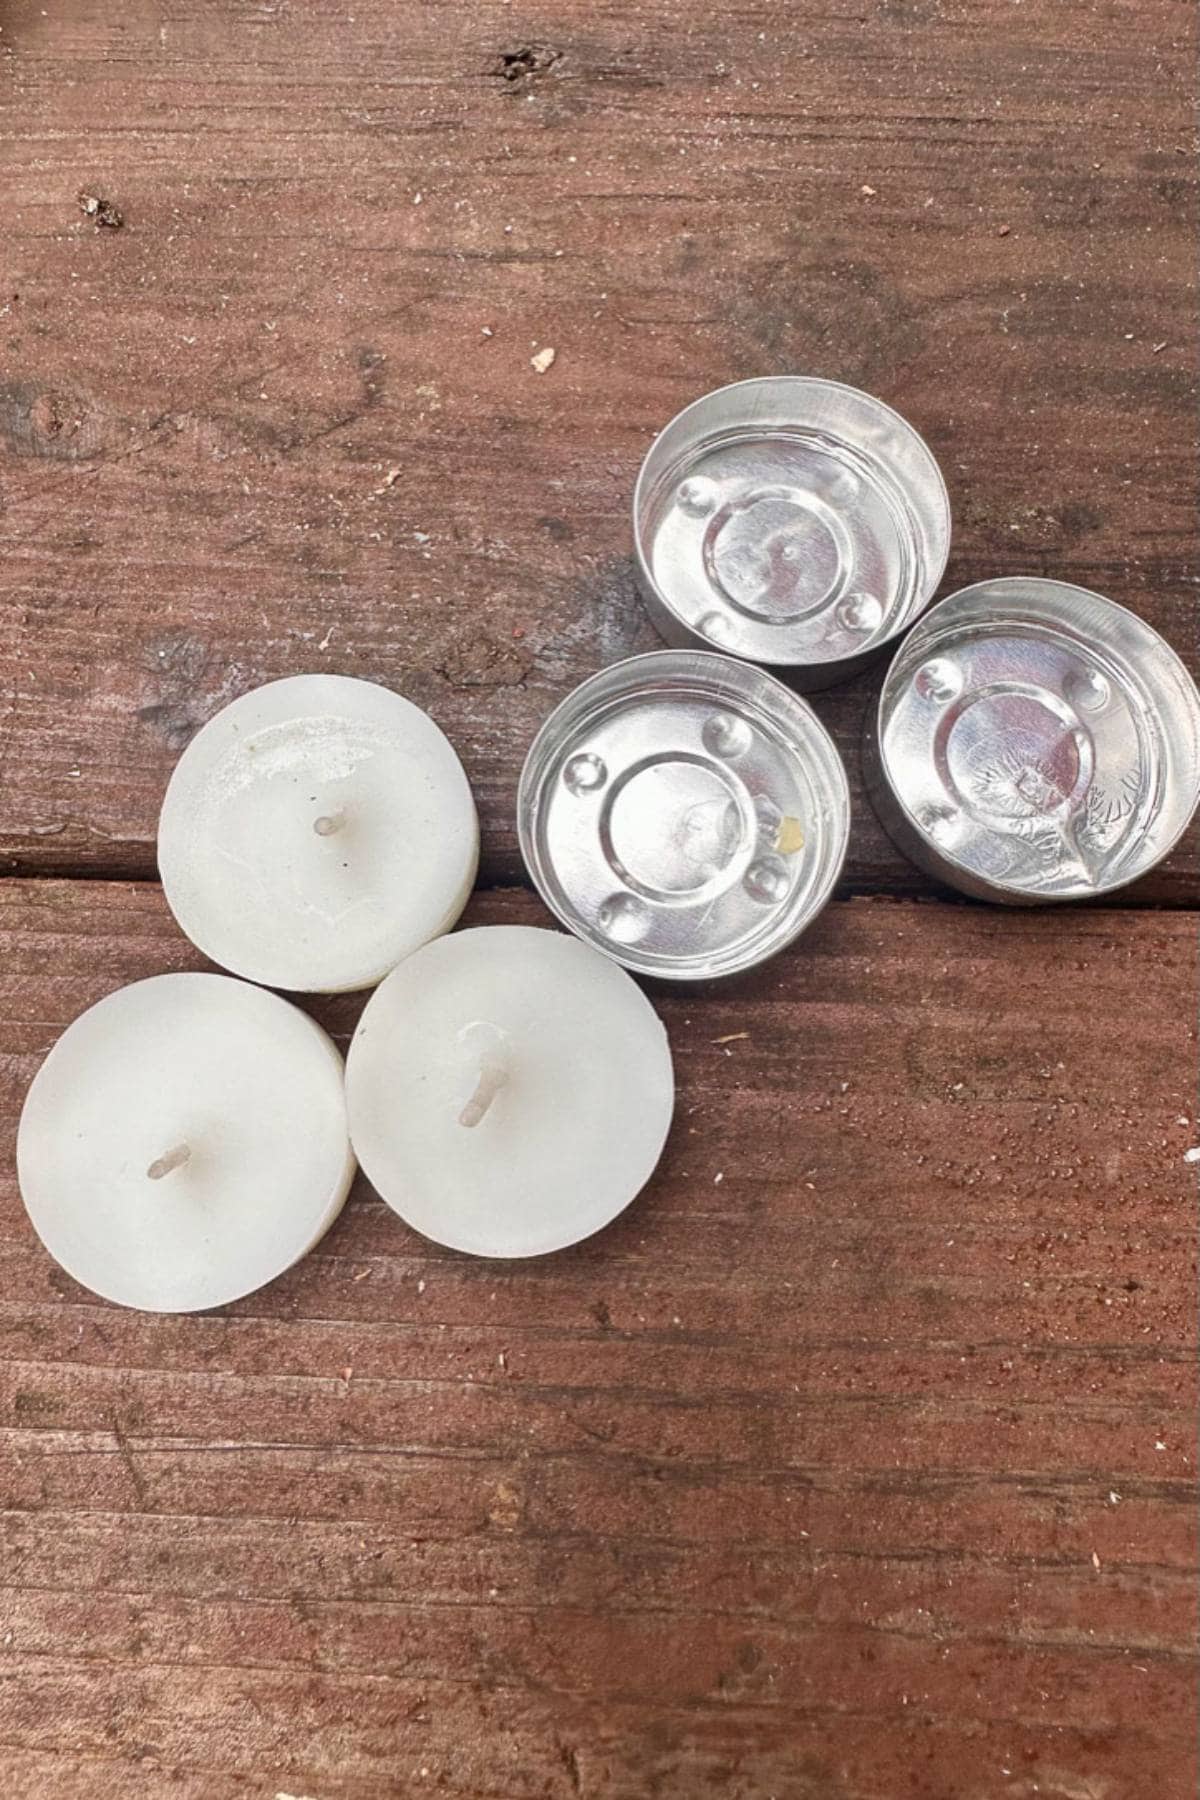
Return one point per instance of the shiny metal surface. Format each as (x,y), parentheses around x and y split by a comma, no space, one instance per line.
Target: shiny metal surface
(685,813)
(1035,742)
(795,522)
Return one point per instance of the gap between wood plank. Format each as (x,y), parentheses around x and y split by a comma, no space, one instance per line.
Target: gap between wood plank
(491,880)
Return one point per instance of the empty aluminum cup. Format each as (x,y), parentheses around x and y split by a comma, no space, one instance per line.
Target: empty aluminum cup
(684,813)
(1035,741)
(791,521)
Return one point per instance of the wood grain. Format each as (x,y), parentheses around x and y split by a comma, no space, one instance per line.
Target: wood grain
(285,417)
(864,1472)
(858,1460)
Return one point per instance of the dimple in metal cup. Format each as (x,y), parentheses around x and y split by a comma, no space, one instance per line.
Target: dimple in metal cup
(1035,742)
(684,813)
(792,521)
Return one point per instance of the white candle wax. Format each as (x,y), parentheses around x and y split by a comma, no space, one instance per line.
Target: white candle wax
(315,832)
(509,1090)
(185,1142)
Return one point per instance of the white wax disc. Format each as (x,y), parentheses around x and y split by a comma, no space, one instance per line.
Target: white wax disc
(185,1142)
(509,1090)
(315,832)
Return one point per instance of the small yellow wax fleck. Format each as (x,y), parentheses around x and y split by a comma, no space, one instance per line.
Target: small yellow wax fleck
(790,836)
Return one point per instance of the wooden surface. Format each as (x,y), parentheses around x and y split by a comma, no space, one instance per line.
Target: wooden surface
(857,1461)
(982,211)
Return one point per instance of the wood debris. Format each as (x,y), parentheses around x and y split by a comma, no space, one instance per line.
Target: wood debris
(543,359)
(103,214)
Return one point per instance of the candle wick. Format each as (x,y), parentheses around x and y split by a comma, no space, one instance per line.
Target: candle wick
(493,1075)
(328,823)
(174,1159)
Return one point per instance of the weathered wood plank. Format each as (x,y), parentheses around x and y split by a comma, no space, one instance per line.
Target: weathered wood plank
(983,214)
(865,1473)
(838,1477)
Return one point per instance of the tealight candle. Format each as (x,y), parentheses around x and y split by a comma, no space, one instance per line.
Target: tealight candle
(315,832)
(509,1090)
(185,1142)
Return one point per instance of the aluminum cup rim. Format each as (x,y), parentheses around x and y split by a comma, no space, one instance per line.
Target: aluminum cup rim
(806,381)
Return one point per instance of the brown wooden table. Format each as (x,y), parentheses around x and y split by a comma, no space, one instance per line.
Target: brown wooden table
(866,1472)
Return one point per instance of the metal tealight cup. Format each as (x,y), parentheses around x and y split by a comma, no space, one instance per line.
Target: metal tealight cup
(684,813)
(795,522)
(1034,742)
